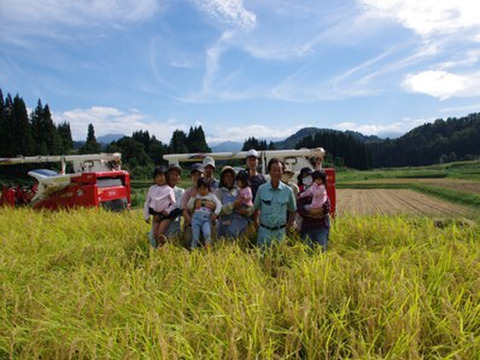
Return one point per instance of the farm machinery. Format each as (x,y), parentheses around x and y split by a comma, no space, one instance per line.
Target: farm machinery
(294,160)
(97,180)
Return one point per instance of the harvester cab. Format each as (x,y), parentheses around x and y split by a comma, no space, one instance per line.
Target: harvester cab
(294,160)
(96,180)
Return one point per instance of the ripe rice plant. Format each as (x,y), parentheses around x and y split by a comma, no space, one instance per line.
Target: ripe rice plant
(85,284)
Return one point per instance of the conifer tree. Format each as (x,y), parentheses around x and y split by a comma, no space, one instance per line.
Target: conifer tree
(91,146)
(22,136)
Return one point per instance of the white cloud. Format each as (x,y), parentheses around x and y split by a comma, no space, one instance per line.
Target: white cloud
(428,17)
(398,127)
(230,11)
(241,133)
(442,84)
(109,120)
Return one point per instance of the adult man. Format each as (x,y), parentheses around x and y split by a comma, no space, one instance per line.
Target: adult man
(272,202)
(209,167)
(196,172)
(256,179)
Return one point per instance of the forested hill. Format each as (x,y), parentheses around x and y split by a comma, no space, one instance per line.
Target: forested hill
(442,141)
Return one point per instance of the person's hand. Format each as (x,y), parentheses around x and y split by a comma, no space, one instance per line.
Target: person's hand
(237,203)
(214,217)
(242,211)
(210,204)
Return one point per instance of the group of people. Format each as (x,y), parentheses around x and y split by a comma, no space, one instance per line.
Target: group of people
(236,202)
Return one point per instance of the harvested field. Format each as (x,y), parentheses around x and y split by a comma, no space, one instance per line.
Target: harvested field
(393,201)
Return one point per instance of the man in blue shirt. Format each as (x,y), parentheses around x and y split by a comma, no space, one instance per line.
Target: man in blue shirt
(275,207)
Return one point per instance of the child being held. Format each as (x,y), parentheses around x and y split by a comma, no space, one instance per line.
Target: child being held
(316,190)
(203,216)
(244,189)
(160,201)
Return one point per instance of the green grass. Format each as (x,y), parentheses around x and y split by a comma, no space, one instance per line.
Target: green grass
(469,170)
(84,284)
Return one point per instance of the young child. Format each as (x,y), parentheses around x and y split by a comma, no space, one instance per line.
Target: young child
(203,216)
(159,203)
(317,191)
(244,189)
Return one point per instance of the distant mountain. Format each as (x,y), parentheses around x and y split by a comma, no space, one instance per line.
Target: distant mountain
(108,138)
(227,146)
(361,137)
(291,141)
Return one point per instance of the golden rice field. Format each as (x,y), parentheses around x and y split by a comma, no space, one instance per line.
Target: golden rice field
(84,284)
(394,202)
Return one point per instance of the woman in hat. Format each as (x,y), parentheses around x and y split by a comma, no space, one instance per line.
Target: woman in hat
(234,217)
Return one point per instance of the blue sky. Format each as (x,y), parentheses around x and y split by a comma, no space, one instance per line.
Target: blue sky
(243,68)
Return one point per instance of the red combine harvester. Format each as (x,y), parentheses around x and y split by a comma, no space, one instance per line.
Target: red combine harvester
(97,180)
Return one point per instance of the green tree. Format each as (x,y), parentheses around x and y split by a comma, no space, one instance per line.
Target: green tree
(91,145)
(178,143)
(65,135)
(196,141)
(22,136)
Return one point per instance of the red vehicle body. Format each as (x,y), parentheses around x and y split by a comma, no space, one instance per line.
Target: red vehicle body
(109,189)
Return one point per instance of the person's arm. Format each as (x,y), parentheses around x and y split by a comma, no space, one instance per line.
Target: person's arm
(173,205)
(146,206)
(191,203)
(218,204)
(292,208)
(256,207)
(319,213)
(186,215)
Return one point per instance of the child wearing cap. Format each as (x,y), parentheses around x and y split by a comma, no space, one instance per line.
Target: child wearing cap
(203,215)
(160,201)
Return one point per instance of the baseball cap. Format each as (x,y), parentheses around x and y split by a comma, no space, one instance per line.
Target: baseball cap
(252,153)
(208,161)
(196,167)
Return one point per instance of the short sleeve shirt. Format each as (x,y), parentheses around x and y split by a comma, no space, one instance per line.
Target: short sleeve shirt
(274,203)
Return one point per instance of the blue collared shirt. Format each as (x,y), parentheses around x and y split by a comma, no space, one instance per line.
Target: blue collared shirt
(274,203)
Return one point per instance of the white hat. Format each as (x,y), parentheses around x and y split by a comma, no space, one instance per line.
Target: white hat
(208,161)
(252,152)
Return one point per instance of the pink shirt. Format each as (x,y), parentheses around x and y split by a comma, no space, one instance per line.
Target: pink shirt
(246,195)
(318,193)
(159,198)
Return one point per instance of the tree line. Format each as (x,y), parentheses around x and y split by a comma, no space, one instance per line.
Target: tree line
(438,142)
(36,134)
(31,134)
(342,149)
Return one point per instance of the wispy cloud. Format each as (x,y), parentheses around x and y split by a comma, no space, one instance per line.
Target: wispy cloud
(110,120)
(230,11)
